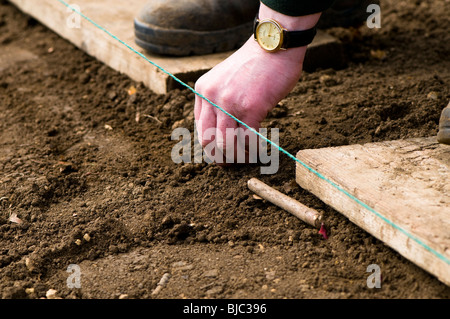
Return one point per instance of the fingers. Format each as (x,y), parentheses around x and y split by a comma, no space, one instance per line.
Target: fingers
(206,124)
(224,140)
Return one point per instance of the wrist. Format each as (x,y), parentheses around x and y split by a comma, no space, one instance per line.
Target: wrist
(293,56)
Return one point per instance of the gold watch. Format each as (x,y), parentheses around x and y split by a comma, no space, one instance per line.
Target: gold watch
(272,37)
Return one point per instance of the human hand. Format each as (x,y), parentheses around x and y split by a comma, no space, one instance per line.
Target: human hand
(247,85)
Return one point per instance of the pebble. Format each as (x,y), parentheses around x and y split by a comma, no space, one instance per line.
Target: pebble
(112,95)
(29,291)
(304,287)
(270,275)
(327,80)
(123,296)
(51,294)
(164,279)
(378,54)
(182,265)
(187,267)
(214,291)
(29,264)
(432,95)
(180,123)
(211,273)
(178,264)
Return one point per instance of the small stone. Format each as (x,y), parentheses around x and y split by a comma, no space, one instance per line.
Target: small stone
(86,237)
(178,264)
(29,264)
(29,291)
(164,279)
(112,95)
(378,130)
(51,294)
(214,291)
(270,275)
(177,124)
(211,273)
(85,78)
(123,296)
(187,267)
(167,221)
(182,265)
(378,54)
(78,242)
(432,95)
(327,80)
(304,287)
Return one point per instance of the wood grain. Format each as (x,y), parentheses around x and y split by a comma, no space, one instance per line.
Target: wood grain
(406,182)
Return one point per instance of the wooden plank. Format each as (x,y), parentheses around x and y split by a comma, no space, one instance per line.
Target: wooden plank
(407,182)
(117,16)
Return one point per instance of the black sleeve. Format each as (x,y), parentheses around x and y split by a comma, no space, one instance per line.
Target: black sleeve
(298,7)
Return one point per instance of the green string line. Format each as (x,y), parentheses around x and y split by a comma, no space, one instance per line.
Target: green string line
(389,222)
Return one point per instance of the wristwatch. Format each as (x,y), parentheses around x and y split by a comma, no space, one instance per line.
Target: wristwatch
(272,37)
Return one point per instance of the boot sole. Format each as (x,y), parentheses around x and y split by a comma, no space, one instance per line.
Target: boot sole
(188,42)
(443,135)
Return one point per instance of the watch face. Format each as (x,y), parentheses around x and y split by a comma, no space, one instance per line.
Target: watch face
(269,35)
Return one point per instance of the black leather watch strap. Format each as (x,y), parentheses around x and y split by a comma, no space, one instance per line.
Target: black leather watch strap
(293,39)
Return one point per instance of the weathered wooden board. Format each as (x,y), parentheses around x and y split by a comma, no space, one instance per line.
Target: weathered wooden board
(406,187)
(117,17)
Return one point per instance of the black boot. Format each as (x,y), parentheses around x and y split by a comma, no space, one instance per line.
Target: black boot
(186,27)
(444,126)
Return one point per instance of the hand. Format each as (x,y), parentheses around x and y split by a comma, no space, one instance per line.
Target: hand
(247,85)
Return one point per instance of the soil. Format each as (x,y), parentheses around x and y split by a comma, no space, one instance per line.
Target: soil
(94,187)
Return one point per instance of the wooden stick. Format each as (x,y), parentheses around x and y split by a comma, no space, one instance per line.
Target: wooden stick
(306,214)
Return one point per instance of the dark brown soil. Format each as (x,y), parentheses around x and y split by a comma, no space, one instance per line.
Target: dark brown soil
(74,161)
